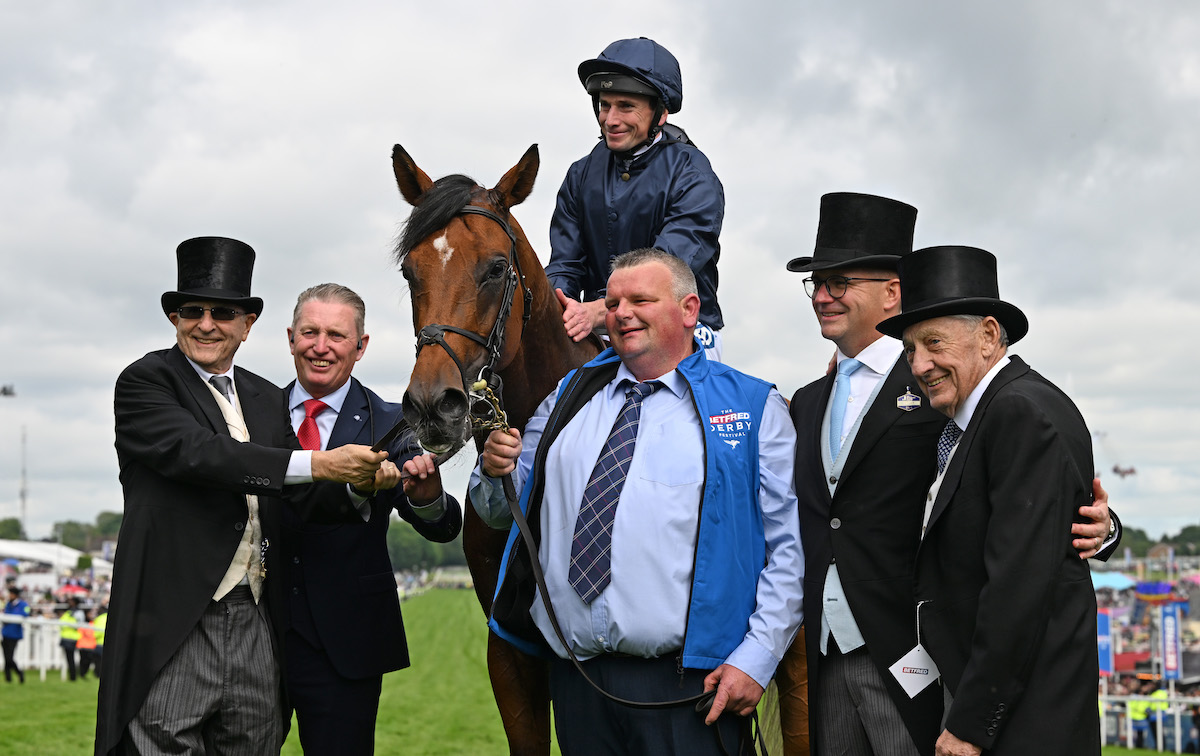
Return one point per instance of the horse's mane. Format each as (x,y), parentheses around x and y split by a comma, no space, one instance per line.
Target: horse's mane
(439,206)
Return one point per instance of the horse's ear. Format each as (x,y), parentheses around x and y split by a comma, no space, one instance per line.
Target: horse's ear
(413,181)
(516,185)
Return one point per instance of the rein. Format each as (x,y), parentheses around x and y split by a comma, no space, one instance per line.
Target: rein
(702,702)
(486,390)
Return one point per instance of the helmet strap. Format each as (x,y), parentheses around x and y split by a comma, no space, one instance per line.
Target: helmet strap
(654,127)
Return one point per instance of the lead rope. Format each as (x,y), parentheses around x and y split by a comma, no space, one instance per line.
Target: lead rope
(749,729)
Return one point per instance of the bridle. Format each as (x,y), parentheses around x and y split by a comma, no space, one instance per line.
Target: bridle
(485,387)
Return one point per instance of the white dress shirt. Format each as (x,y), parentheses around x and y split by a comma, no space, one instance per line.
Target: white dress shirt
(962,418)
(299,469)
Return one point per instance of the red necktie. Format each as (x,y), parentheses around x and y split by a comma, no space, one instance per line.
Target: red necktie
(310,437)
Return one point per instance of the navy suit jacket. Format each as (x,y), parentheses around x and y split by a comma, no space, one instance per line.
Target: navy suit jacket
(341,590)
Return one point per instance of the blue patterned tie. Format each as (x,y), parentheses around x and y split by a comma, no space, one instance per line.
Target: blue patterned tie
(591,549)
(946,442)
(841,395)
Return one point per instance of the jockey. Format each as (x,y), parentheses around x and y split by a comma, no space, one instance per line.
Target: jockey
(644,185)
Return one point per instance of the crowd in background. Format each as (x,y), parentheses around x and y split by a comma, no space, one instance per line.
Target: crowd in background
(80,607)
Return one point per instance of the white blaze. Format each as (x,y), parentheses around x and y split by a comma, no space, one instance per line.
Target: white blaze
(444,250)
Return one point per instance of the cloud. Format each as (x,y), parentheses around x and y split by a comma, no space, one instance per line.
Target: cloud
(1059,136)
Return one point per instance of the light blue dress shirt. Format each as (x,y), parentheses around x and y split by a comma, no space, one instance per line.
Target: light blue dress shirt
(877,360)
(643,611)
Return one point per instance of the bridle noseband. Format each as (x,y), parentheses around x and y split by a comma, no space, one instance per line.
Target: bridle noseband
(494,343)
(485,390)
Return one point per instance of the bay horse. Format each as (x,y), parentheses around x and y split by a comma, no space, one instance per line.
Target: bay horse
(480,294)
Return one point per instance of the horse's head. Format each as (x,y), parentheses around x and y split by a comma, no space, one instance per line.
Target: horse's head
(465,260)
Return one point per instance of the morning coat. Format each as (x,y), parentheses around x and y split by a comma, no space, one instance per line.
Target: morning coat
(184,480)
(1008,609)
(872,526)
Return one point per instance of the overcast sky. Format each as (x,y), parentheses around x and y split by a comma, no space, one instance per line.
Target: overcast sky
(1060,136)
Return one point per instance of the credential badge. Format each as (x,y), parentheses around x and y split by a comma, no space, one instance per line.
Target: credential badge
(908,401)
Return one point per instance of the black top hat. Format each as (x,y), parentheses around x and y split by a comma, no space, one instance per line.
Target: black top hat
(861,231)
(213,268)
(938,281)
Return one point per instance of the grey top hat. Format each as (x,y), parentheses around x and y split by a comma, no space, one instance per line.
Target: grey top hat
(950,280)
(860,230)
(213,268)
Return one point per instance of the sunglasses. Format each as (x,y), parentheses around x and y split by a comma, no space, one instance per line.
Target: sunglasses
(195,312)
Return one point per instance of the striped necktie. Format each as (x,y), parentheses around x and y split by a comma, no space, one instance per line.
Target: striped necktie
(591,549)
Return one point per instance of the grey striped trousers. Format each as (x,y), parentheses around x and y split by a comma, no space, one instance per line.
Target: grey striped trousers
(219,693)
(855,715)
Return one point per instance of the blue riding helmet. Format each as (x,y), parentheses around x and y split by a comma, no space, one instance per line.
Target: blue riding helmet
(641,66)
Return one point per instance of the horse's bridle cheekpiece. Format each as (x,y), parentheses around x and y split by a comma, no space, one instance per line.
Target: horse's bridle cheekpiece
(486,386)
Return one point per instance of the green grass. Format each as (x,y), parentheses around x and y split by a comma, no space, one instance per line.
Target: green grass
(53,717)
(442,704)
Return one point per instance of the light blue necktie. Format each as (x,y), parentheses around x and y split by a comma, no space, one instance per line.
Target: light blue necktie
(841,396)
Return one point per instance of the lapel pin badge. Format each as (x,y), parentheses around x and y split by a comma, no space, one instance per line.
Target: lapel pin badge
(908,401)
(358,418)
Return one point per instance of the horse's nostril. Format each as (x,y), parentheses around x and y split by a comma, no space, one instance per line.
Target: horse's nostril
(449,408)
(410,408)
(452,405)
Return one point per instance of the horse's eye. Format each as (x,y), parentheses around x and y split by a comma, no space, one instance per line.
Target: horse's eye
(408,276)
(497,269)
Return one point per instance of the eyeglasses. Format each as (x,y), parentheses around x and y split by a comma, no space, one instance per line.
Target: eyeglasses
(835,285)
(195,312)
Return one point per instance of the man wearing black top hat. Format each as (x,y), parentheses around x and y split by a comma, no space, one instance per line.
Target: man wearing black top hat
(860,495)
(206,451)
(865,456)
(1006,609)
